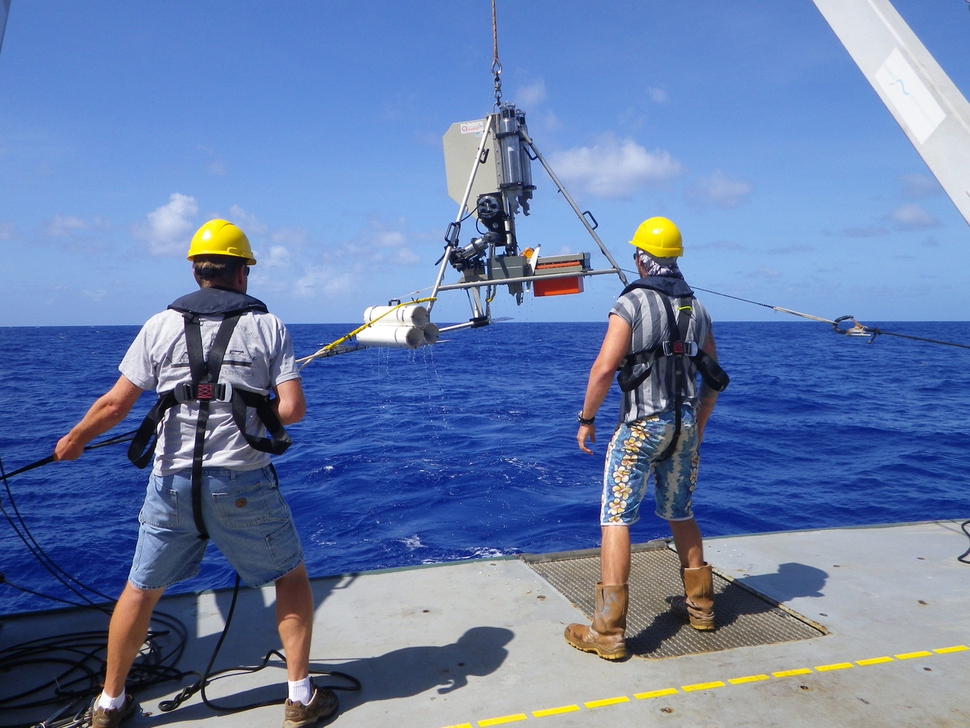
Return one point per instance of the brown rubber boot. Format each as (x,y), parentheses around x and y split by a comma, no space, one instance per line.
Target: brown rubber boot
(698,604)
(605,636)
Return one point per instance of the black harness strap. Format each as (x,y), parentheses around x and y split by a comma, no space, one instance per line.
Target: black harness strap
(205,372)
(679,350)
(676,374)
(204,388)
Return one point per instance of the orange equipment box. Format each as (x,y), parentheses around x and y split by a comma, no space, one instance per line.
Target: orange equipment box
(557,286)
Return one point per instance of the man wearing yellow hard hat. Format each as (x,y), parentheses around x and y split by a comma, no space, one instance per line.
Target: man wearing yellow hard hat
(660,338)
(227,381)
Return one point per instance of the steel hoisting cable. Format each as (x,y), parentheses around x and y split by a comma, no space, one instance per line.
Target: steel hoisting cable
(496,63)
(858,329)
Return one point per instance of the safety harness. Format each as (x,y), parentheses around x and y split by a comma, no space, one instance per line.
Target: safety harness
(678,349)
(204,387)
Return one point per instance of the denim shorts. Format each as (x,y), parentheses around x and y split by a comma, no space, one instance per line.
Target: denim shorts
(632,457)
(244,514)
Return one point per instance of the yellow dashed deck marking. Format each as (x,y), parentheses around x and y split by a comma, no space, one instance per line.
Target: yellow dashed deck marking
(946,650)
(504,719)
(702,686)
(748,679)
(607,701)
(792,673)
(656,694)
(555,711)
(518,717)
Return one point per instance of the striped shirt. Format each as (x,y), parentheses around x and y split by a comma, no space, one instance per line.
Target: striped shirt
(644,310)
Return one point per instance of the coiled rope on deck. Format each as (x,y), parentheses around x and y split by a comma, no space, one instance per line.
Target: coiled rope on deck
(80,657)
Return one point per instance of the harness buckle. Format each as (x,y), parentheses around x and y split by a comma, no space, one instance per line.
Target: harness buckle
(673,348)
(208,392)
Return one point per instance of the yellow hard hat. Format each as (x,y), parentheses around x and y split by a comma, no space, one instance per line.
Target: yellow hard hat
(221,237)
(659,237)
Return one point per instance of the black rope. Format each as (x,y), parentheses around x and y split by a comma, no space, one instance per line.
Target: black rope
(80,653)
(50,458)
(963,557)
(879,332)
(207,677)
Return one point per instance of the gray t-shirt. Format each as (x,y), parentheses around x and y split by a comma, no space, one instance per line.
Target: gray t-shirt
(258,358)
(644,310)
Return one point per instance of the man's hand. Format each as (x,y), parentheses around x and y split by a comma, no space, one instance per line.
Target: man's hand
(68,448)
(586,432)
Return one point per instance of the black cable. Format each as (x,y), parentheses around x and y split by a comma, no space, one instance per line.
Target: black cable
(126,437)
(80,679)
(207,677)
(877,332)
(963,557)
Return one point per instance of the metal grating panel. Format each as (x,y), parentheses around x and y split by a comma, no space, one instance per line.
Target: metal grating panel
(743,617)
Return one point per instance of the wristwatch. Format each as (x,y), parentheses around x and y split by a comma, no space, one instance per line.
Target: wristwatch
(584,420)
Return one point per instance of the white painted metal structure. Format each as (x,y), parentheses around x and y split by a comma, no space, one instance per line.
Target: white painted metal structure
(4,10)
(918,93)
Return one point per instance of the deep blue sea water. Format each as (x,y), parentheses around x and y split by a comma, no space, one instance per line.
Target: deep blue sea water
(467,449)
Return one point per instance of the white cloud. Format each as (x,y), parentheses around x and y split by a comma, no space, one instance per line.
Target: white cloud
(279,257)
(324,281)
(719,191)
(913,217)
(531,95)
(247,222)
(62,226)
(7,230)
(919,186)
(657,95)
(169,228)
(615,168)
(384,242)
(66,226)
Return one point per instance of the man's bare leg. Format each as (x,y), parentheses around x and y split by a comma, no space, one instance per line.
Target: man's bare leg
(294,619)
(615,555)
(687,541)
(126,634)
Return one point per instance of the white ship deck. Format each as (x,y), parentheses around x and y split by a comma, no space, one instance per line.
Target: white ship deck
(479,643)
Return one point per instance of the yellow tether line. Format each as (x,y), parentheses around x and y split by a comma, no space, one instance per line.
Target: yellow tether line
(332,345)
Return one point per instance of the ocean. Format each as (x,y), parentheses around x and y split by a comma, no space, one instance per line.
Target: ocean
(467,449)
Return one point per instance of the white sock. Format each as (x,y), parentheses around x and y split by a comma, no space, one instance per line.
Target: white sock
(108,703)
(300,690)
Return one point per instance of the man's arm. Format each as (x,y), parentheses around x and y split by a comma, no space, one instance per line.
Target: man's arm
(289,403)
(616,345)
(104,414)
(708,396)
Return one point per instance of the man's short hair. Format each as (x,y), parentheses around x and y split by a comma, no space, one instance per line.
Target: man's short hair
(217,267)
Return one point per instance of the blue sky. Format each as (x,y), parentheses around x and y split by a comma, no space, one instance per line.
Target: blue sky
(316,126)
